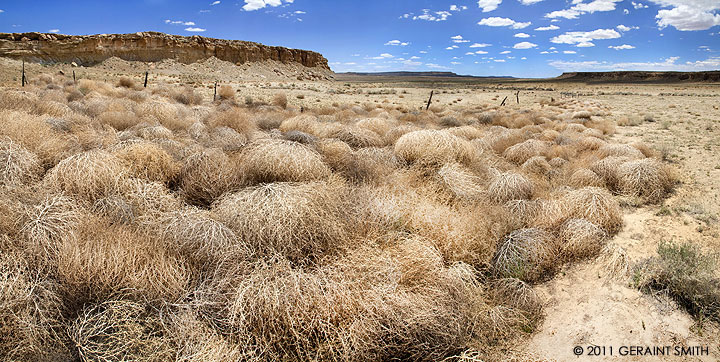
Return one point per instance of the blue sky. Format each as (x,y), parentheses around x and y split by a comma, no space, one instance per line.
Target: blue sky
(524,38)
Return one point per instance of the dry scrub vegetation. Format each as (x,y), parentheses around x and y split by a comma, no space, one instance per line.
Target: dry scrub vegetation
(153,225)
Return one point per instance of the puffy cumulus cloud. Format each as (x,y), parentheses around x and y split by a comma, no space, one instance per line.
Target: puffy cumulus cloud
(638,5)
(397,43)
(499,60)
(488,5)
(547,28)
(669,64)
(452,47)
(622,47)
(583,37)
(529,2)
(54,31)
(459,39)
(581,7)
(688,15)
(497,21)
(521,35)
(458,8)
(215,3)
(195,30)
(179,22)
(626,28)
(524,45)
(252,5)
(428,15)
(480,45)
(505,52)
(585,44)
(569,52)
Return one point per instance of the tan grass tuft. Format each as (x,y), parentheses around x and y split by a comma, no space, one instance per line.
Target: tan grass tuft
(88,176)
(523,151)
(510,186)
(18,166)
(461,182)
(646,178)
(206,175)
(597,206)
(235,118)
(526,254)
(583,177)
(226,93)
(581,239)
(431,147)
(281,161)
(148,161)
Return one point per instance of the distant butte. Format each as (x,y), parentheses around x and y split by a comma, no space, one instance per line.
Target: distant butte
(146,47)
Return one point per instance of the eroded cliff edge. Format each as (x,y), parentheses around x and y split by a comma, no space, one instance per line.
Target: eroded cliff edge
(146,47)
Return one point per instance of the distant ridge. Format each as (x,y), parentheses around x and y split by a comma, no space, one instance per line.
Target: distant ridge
(418,74)
(640,76)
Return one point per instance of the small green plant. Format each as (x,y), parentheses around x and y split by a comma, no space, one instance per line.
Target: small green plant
(686,274)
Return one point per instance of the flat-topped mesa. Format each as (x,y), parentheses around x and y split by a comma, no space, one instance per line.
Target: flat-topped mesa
(146,47)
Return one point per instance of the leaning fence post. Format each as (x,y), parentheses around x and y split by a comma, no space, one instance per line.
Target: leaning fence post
(23,73)
(215,92)
(517,95)
(146,76)
(503,102)
(429,100)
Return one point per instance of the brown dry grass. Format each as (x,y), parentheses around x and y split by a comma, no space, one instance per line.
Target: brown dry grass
(271,160)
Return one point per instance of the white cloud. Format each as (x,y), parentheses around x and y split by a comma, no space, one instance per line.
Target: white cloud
(529,2)
(488,5)
(458,8)
(397,43)
(638,5)
(459,39)
(626,28)
(579,37)
(2,11)
(179,22)
(428,15)
(621,47)
(435,66)
(422,52)
(452,47)
(252,5)
(669,64)
(524,45)
(580,8)
(195,30)
(569,52)
(54,31)
(481,52)
(499,60)
(523,58)
(686,18)
(455,63)
(480,45)
(546,28)
(496,21)
(521,35)
(299,12)
(585,44)
(215,3)
(505,52)
(626,11)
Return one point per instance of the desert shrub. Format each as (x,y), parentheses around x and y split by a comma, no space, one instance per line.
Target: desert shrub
(526,254)
(170,116)
(148,161)
(336,154)
(647,178)
(195,340)
(607,169)
(126,83)
(30,313)
(580,238)
(394,133)
(279,160)
(302,221)
(18,166)
(87,176)
(583,177)
(521,152)
(120,120)
(303,123)
(467,132)
(47,224)
(280,100)
(107,258)
(521,212)
(461,182)
(510,186)
(356,137)
(187,96)
(206,175)
(200,238)
(596,205)
(537,165)
(225,138)
(234,118)
(687,274)
(119,330)
(300,137)
(226,93)
(378,125)
(619,150)
(582,115)
(431,147)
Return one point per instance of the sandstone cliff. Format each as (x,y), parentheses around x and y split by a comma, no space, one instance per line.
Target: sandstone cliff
(146,47)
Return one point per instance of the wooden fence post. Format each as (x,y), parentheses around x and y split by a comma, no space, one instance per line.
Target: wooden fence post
(74,81)
(146,76)
(517,95)
(503,102)
(429,100)
(23,73)
(215,92)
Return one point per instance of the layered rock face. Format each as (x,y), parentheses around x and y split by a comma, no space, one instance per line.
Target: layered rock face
(146,47)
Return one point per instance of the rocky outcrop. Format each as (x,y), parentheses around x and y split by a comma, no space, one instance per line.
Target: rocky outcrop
(146,47)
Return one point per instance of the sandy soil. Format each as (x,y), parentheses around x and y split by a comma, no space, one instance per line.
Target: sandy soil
(584,305)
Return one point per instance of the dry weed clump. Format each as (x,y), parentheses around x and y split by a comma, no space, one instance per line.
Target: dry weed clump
(595,205)
(18,166)
(301,221)
(526,254)
(521,152)
(108,258)
(207,175)
(120,120)
(280,100)
(119,330)
(187,96)
(510,186)
(88,176)
(148,161)
(646,178)
(30,313)
(583,177)
(461,182)
(272,160)
(356,137)
(234,118)
(433,148)
(619,150)
(49,223)
(580,238)
(226,93)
